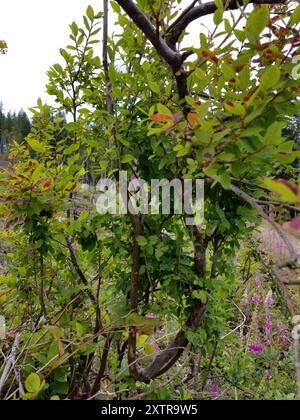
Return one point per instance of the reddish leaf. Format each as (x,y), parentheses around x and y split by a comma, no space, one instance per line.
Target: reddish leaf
(161,118)
(239,67)
(211,56)
(193,119)
(47,184)
(264,46)
(42,181)
(72,187)
(11,156)
(19,202)
(18,221)
(274,56)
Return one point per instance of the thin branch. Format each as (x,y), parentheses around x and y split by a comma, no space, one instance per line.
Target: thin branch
(85,283)
(109,100)
(10,362)
(103,365)
(277,203)
(292,282)
(239,326)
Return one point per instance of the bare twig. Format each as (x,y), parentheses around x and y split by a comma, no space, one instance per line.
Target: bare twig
(10,362)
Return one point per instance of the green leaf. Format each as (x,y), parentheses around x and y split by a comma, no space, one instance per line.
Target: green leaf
(284,189)
(274,133)
(257,22)
(33,383)
(74,28)
(162,109)
(270,78)
(184,151)
(55,331)
(71,149)
(240,35)
(135,320)
(79,329)
(225,180)
(235,108)
(295,18)
(200,295)
(200,74)
(228,71)
(218,16)
(90,13)
(36,146)
(142,241)
(152,84)
(127,158)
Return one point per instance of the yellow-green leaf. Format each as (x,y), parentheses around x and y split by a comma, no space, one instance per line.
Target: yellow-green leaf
(33,383)
(36,146)
(270,78)
(257,22)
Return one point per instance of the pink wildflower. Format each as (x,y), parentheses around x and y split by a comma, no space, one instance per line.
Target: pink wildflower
(268,327)
(258,283)
(73,247)
(257,349)
(269,299)
(268,376)
(256,299)
(214,390)
(245,302)
(152,315)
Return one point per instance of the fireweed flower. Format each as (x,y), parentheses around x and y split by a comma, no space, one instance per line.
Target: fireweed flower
(267,341)
(269,300)
(268,376)
(74,247)
(258,283)
(245,302)
(151,315)
(268,327)
(214,390)
(256,299)
(283,335)
(257,349)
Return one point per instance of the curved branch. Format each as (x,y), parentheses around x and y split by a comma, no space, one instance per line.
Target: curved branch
(168,357)
(191,14)
(143,22)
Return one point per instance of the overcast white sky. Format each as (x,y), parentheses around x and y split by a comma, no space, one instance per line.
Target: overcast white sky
(34,31)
